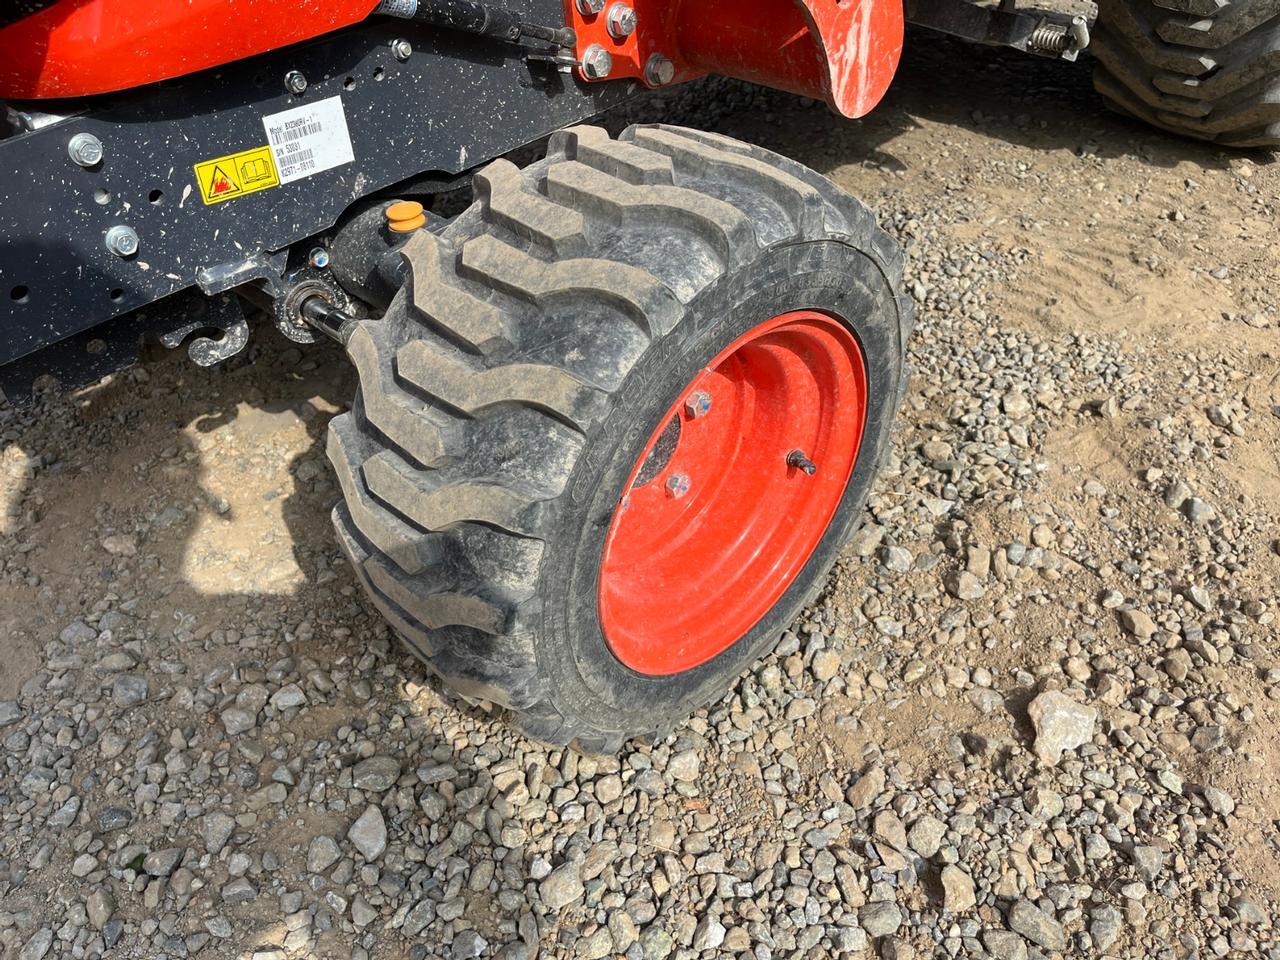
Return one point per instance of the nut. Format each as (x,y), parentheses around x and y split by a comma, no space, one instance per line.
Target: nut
(597,62)
(295,82)
(621,21)
(401,49)
(697,403)
(85,149)
(122,240)
(659,71)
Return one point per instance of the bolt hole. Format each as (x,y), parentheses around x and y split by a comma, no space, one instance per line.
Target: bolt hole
(156,197)
(116,295)
(101,197)
(379,73)
(20,294)
(349,83)
(259,79)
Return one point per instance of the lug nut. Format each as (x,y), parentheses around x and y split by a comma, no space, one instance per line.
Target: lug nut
(697,403)
(85,149)
(122,240)
(797,459)
(659,71)
(318,257)
(621,21)
(295,82)
(401,49)
(677,485)
(589,8)
(597,62)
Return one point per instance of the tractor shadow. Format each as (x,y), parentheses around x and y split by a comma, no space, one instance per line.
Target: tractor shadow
(1043,105)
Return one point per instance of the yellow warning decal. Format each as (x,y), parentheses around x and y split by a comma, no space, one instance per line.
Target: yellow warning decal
(236,175)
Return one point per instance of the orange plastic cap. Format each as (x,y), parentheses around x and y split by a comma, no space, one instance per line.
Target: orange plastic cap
(405,216)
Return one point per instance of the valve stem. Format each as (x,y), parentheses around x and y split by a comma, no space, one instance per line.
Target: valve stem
(797,459)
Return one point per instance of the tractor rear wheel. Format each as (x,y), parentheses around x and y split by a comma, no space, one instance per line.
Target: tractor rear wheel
(616,425)
(1208,69)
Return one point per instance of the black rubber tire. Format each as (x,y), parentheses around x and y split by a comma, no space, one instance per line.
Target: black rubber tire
(1208,69)
(517,376)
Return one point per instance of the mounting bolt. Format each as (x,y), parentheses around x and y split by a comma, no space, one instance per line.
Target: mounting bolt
(401,49)
(697,403)
(589,8)
(797,459)
(122,240)
(85,149)
(621,21)
(677,485)
(597,62)
(318,257)
(659,71)
(295,82)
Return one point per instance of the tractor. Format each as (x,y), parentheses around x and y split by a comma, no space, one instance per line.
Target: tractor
(615,418)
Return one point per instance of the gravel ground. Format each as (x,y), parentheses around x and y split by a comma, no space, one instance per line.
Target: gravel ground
(1032,715)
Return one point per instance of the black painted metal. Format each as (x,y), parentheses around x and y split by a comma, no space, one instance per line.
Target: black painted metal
(456,102)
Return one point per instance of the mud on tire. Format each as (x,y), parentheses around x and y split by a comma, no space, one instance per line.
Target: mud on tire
(535,345)
(1208,69)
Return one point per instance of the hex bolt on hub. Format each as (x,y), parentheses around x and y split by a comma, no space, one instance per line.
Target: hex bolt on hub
(621,21)
(85,149)
(797,459)
(659,71)
(597,62)
(295,82)
(122,240)
(589,8)
(697,404)
(401,49)
(677,485)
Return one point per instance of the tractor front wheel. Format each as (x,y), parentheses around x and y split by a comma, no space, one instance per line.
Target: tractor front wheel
(617,424)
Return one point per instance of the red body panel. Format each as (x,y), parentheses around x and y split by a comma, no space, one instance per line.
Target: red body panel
(843,52)
(80,47)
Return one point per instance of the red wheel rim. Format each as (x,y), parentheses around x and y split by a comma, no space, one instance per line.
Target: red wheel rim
(719,515)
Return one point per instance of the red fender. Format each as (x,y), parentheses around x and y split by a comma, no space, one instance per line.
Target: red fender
(843,52)
(79,47)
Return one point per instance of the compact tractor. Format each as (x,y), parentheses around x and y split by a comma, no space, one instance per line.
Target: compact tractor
(614,419)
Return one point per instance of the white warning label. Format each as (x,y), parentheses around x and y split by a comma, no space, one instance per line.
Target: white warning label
(309,139)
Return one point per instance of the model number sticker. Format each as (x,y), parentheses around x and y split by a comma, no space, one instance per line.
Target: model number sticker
(309,139)
(236,174)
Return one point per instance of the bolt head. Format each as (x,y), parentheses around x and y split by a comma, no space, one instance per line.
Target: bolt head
(677,485)
(589,8)
(597,62)
(401,49)
(85,149)
(697,404)
(659,71)
(122,240)
(295,82)
(318,258)
(621,21)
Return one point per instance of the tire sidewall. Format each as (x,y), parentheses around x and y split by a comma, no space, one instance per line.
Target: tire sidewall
(588,680)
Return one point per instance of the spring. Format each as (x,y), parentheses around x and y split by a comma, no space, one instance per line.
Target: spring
(1049,37)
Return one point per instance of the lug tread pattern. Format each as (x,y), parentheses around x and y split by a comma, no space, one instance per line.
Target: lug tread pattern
(506,201)
(466,320)
(1201,68)
(473,391)
(464,329)
(403,419)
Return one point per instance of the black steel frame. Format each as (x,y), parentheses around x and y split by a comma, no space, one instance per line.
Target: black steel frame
(456,102)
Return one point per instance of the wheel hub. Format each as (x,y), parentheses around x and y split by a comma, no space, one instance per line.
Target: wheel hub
(733,493)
